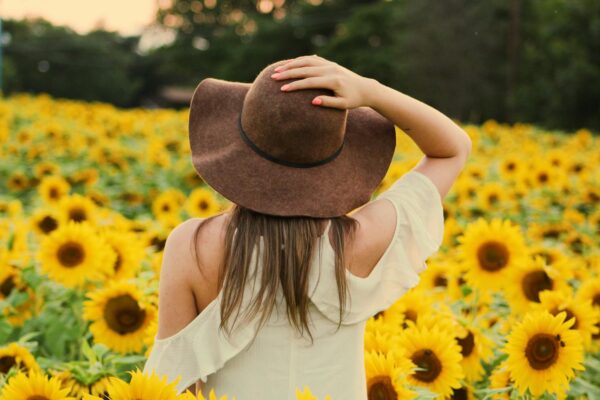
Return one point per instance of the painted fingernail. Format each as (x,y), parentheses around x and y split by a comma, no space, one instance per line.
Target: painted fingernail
(317,101)
(274,75)
(285,87)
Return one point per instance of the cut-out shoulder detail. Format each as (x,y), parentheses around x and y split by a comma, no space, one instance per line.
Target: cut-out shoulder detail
(418,234)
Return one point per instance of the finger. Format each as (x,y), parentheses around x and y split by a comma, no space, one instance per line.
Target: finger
(301,61)
(330,101)
(300,72)
(313,82)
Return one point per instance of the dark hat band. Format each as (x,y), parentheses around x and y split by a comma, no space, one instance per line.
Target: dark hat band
(269,157)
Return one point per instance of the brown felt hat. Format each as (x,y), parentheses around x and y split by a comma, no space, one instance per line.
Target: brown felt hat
(276,153)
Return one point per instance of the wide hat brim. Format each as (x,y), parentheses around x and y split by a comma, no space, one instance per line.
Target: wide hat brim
(227,164)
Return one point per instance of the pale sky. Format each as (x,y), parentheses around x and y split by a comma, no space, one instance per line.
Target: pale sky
(126,16)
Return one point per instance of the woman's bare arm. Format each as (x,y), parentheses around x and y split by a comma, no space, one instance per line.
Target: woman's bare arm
(434,133)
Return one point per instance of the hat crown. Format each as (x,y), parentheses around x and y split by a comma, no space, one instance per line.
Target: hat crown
(286,125)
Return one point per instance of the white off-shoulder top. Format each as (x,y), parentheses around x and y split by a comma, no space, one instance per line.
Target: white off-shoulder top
(279,360)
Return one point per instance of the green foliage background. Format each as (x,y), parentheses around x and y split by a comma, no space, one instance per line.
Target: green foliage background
(513,61)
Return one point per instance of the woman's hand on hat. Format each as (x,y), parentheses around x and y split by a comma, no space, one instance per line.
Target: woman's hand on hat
(351,90)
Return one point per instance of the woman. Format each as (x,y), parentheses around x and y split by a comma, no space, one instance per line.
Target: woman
(295,151)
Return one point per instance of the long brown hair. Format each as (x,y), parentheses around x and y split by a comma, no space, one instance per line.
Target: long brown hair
(289,268)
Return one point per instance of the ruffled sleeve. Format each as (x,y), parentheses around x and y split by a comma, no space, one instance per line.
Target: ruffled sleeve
(201,348)
(418,234)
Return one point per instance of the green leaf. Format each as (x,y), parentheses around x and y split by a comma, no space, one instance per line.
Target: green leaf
(87,351)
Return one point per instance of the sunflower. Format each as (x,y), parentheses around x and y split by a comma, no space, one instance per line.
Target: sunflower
(97,197)
(491,195)
(77,208)
(490,251)
(589,291)
(551,255)
(541,174)
(17,181)
(75,253)
(87,176)
(20,249)
(10,280)
(15,355)
(436,356)
(79,389)
(465,392)
(380,340)
(500,379)
(120,317)
(543,353)
(53,188)
(192,178)
(34,386)
(406,310)
(528,280)
(386,375)
(585,315)
(436,278)
(9,276)
(578,242)
(202,203)
(129,252)
(305,394)
(43,221)
(187,395)
(394,172)
(510,167)
(141,386)
(475,348)
(46,168)
(168,203)
(101,387)
(547,231)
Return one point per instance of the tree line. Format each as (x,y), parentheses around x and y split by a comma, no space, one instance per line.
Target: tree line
(511,60)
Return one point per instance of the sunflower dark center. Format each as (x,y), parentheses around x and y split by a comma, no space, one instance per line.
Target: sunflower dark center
(47,224)
(53,193)
(511,166)
(440,281)
(467,344)
(556,311)
(203,204)
(6,286)
(6,363)
(123,314)
(543,177)
(493,256)
(597,334)
(166,207)
(71,254)
(430,365)
(535,282)
(552,233)
(596,300)
(542,351)
(546,256)
(460,394)
(381,388)
(37,397)
(118,262)
(158,243)
(411,315)
(77,214)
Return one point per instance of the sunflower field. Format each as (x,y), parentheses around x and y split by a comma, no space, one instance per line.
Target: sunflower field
(509,308)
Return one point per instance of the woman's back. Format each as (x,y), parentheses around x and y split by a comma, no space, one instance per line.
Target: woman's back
(278,361)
